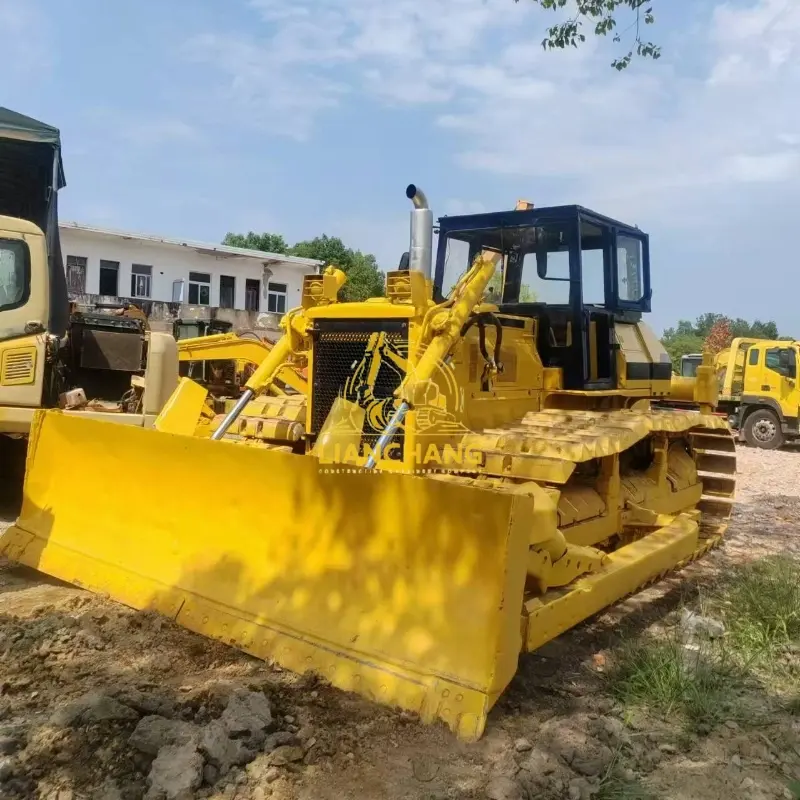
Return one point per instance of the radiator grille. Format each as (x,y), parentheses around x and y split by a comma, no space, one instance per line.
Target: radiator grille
(344,350)
(18,367)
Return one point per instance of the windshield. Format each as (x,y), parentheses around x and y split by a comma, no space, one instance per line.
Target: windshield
(536,263)
(13,272)
(689,366)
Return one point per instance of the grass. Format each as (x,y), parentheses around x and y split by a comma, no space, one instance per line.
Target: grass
(699,686)
(793,706)
(761,605)
(617,789)
(614,787)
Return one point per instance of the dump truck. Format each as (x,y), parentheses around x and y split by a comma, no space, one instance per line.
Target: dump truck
(462,482)
(757,380)
(51,354)
(758,390)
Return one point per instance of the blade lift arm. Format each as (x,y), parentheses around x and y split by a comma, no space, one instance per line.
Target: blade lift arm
(446,330)
(295,325)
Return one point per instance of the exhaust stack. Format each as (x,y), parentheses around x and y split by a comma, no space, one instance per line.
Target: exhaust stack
(421,252)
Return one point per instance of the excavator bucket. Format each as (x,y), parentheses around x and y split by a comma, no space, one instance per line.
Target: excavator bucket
(367,579)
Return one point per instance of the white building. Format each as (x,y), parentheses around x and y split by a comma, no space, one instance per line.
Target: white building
(142,267)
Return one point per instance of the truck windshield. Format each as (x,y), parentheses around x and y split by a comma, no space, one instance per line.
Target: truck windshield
(689,366)
(13,272)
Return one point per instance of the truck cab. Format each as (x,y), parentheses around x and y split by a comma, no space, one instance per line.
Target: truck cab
(50,356)
(765,401)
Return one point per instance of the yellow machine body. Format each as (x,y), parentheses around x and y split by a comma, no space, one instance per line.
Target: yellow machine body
(757,388)
(427,511)
(245,352)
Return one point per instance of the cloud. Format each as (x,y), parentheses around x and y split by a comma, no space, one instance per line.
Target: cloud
(158,131)
(267,82)
(722,116)
(24,41)
(455,207)
(143,130)
(658,129)
(307,56)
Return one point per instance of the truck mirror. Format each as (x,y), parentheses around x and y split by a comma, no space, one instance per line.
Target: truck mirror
(541,263)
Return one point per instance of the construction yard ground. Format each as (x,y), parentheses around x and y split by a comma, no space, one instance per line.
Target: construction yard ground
(688,691)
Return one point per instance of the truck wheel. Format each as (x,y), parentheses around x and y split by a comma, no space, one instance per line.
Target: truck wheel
(762,429)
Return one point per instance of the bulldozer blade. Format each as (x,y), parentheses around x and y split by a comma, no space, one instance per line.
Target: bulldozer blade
(368,579)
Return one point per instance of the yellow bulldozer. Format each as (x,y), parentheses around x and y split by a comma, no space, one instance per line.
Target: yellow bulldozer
(461,483)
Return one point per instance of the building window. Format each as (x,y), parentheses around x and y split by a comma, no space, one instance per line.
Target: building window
(276,298)
(76,274)
(109,278)
(199,289)
(227,291)
(252,286)
(141,277)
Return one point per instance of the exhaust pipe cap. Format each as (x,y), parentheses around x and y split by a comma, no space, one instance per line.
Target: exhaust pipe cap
(411,190)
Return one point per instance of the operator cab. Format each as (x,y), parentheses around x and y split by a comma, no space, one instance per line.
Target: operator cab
(690,363)
(577,272)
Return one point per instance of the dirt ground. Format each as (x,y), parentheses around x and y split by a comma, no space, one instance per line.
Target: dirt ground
(96,700)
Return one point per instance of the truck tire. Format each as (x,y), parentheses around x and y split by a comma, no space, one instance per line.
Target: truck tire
(763,429)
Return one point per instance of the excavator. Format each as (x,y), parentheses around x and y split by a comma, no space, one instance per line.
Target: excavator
(222,362)
(462,482)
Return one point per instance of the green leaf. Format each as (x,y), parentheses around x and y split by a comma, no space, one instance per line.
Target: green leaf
(604,16)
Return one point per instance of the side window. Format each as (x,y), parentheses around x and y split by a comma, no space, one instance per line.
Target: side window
(14,273)
(782,361)
(534,289)
(773,359)
(630,284)
(753,359)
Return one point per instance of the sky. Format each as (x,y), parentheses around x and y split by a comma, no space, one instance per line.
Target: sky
(191,118)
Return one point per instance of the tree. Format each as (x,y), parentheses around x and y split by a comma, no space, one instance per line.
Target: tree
(602,16)
(680,343)
(709,330)
(719,337)
(364,277)
(495,287)
(266,242)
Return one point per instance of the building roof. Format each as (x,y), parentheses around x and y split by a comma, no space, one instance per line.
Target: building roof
(204,248)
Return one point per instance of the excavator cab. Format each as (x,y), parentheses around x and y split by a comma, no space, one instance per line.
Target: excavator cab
(576,272)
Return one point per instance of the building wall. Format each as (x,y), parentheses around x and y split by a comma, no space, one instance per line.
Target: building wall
(170,263)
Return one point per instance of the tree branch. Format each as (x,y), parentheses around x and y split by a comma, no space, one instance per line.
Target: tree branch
(602,15)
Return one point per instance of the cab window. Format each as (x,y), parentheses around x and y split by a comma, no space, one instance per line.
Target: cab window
(753,360)
(782,360)
(630,285)
(14,273)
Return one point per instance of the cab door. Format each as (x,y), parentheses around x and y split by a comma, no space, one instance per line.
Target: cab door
(780,378)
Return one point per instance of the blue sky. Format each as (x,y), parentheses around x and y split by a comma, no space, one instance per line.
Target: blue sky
(195,117)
